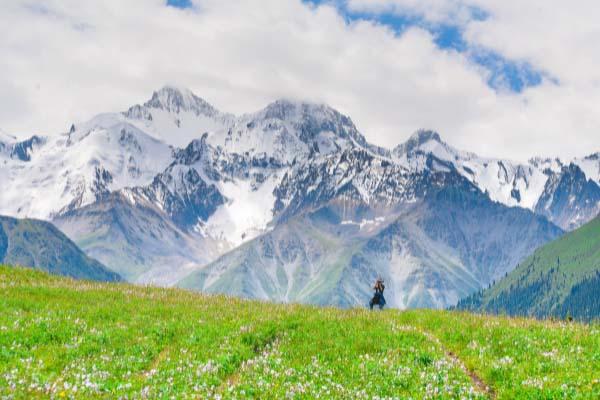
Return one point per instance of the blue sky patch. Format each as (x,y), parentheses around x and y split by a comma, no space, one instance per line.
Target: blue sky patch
(504,74)
(179,3)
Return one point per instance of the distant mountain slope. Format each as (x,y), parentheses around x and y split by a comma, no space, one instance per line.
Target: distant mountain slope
(559,279)
(137,239)
(38,244)
(431,250)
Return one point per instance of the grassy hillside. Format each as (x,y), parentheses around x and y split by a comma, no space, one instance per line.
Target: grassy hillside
(39,244)
(559,279)
(63,338)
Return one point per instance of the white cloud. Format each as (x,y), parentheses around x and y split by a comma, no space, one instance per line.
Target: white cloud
(69,60)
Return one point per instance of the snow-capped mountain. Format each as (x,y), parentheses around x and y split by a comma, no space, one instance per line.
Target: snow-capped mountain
(506,182)
(117,150)
(290,202)
(531,185)
(289,130)
(284,129)
(47,176)
(177,116)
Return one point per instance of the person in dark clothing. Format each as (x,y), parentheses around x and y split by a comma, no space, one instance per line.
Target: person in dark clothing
(378,298)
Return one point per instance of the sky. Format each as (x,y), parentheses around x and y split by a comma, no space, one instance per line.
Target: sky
(502,78)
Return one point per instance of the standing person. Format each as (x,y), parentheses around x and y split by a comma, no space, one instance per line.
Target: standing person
(378,298)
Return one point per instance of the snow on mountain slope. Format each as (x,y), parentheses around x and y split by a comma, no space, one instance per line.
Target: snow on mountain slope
(201,205)
(243,158)
(247,214)
(507,182)
(227,197)
(177,116)
(68,171)
(526,185)
(13,148)
(356,173)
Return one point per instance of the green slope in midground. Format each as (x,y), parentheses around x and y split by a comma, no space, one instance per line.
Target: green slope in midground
(561,278)
(78,339)
(39,244)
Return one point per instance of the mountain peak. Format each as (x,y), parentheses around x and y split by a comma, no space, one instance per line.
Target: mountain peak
(286,109)
(176,99)
(281,109)
(311,119)
(424,135)
(418,139)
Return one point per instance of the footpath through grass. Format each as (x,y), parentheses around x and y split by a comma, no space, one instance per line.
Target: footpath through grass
(61,338)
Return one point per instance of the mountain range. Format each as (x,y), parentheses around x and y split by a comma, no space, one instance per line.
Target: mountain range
(290,203)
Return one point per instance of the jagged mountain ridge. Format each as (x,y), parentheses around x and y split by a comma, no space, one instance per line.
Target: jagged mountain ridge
(283,131)
(242,177)
(569,199)
(531,185)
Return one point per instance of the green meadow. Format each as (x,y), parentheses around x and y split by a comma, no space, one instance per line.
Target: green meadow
(62,338)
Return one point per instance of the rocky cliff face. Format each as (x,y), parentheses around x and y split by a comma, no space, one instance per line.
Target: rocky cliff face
(569,198)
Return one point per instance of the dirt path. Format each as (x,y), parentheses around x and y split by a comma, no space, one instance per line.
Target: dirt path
(476,380)
(478,384)
(261,352)
(151,369)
